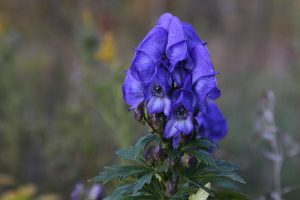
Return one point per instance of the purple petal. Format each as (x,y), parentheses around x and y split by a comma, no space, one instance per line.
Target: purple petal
(148,54)
(176,140)
(167,106)
(204,86)
(164,21)
(185,98)
(176,47)
(133,92)
(155,105)
(178,76)
(163,77)
(185,126)
(191,35)
(203,63)
(143,67)
(154,44)
(170,129)
(214,126)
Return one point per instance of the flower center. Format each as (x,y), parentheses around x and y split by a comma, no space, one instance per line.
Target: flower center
(157,91)
(181,112)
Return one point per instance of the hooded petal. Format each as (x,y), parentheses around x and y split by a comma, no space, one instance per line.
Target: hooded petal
(133,92)
(143,67)
(148,54)
(155,105)
(206,86)
(154,44)
(170,129)
(185,126)
(203,63)
(164,21)
(176,49)
(191,35)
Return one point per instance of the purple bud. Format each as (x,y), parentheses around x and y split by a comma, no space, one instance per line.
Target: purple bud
(77,192)
(149,157)
(96,192)
(159,153)
(139,112)
(170,186)
(156,121)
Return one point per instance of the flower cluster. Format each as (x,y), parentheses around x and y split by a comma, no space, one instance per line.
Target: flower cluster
(172,74)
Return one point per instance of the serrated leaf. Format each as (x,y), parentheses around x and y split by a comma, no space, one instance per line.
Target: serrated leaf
(134,152)
(199,143)
(119,172)
(146,179)
(203,156)
(201,194)
(231,175)
(120,192)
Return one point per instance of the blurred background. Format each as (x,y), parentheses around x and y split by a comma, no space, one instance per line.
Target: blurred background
(62,65)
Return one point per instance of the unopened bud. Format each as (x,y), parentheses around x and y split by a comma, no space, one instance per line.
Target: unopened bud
(159,153)
(170,187)
(170,162)
(139,112)
(149,156)
(156,121)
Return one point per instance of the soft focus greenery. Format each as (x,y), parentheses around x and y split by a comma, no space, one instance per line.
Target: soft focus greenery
(62,64)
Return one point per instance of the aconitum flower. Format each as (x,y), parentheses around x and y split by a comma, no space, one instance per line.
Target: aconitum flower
(171,75)
(212,124)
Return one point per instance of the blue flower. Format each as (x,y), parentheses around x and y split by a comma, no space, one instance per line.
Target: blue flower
(212,125)
(156,92)
(181,116)
(133,90)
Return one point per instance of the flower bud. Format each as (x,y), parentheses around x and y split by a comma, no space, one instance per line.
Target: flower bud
(170,162)
(159,153)
(156,121)
(149,156)
(170,187)
(139,112)
(189,161)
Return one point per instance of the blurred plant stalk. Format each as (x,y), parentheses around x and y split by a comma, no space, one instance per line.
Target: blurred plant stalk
(267,130)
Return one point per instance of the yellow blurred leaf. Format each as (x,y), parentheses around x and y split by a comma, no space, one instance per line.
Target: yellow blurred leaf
(3,25)
(50,196)
(25,192)
(107,50)
(201,194)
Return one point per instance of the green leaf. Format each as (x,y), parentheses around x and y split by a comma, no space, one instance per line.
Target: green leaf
(134,152)
(146,179)
(231,175)
(199,143)
(121,192)
(119,172)
(203,156)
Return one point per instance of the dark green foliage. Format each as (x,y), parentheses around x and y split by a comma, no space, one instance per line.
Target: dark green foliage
(134,153)
(169,178)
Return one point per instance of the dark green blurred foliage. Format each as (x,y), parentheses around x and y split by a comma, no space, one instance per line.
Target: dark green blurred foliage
(61,108)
